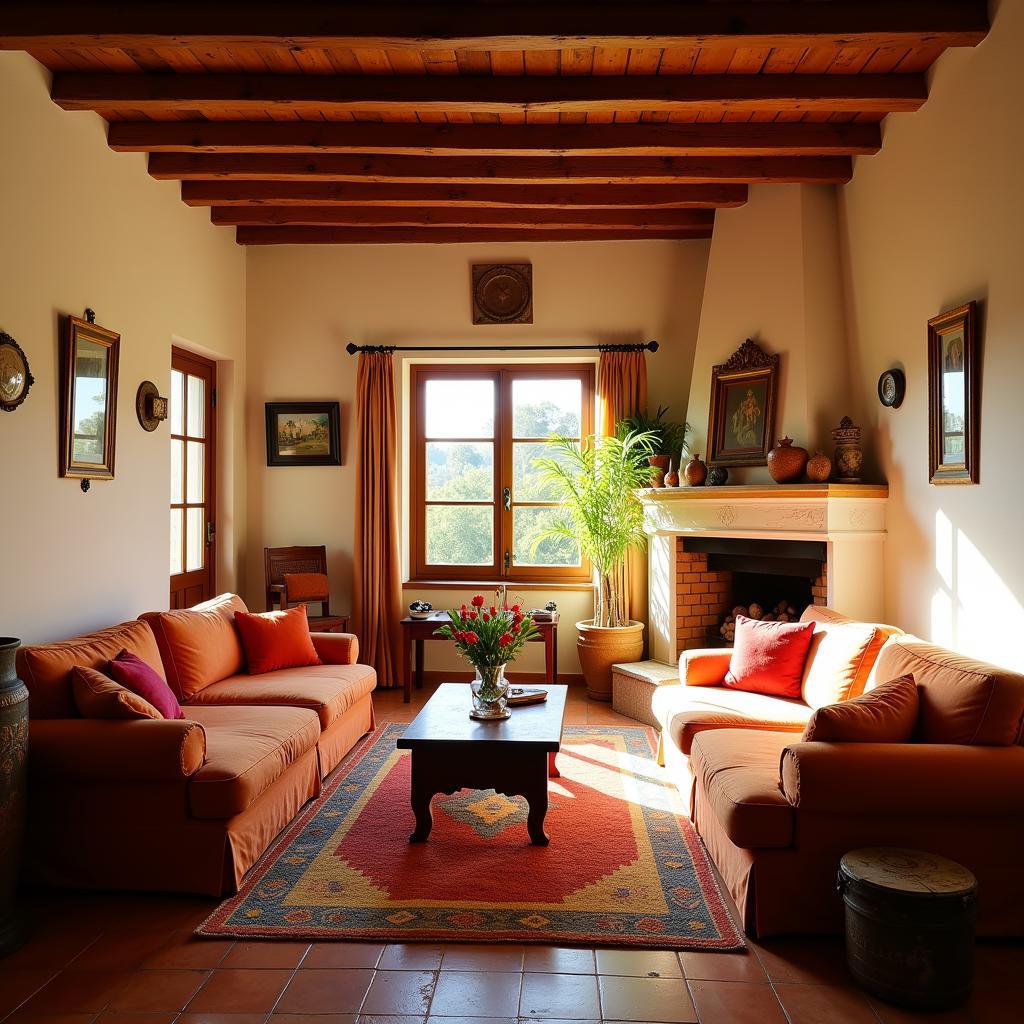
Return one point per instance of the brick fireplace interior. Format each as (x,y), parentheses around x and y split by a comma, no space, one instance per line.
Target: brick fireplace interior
(714,575)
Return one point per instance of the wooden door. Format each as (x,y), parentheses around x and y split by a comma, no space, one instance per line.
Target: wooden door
(193,455)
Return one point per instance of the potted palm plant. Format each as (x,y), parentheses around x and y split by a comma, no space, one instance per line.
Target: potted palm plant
(596,482)
(669,440)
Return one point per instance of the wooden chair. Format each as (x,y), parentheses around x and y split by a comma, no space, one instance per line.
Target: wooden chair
(279,561)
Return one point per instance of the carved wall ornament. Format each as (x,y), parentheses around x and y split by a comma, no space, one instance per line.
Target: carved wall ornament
(726,515)
(15,376)
(502,293)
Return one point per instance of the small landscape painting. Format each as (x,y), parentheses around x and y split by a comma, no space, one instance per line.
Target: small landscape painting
(303,434)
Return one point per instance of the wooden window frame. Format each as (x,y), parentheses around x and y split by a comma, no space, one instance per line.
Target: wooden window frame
(503,378)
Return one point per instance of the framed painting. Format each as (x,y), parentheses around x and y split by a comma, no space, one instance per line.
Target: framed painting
(303,434)
(953,397)
(88,401)
(741,430)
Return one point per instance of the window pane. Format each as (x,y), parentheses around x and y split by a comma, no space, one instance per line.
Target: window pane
(176,518)
(527,525)
(528,483)
(460,408)
(177,469)
(541,407)
(177,401)
(460,535)
(194,545)
(196,477)
(196,406)
(459,471)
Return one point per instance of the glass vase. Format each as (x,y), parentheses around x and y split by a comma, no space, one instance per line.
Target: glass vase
(490,693)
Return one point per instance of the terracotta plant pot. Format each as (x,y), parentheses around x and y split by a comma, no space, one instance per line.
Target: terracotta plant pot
(659,467)
(819,467)
(787,462)
(696,472)
(600,647)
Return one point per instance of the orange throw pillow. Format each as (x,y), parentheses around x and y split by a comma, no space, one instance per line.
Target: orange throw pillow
(306,586)
(768,657)
(886,714)
(99,696)
(275,640)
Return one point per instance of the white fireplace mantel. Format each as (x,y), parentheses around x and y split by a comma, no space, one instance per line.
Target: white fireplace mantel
(848,518)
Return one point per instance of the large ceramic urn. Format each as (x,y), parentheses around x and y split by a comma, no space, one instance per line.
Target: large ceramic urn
(13,752)
(600,647)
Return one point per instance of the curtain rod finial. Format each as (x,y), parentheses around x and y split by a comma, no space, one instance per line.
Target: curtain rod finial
(652,346)
(351,348)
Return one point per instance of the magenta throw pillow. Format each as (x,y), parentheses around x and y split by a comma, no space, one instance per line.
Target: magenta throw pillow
(134,674)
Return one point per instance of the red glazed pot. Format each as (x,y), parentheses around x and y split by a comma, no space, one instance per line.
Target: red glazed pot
(696,472)
(787,462)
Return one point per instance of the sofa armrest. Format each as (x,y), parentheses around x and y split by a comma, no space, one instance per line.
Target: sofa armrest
(904,778)
(105,750)
(705,666)
(336,648)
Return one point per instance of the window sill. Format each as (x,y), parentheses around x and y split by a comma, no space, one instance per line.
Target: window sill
(417,584)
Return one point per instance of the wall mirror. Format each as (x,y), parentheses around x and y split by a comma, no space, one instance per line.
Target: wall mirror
(88,400)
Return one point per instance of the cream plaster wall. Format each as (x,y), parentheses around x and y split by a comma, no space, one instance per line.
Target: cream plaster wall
(306,303)
(934,220)
(83,226)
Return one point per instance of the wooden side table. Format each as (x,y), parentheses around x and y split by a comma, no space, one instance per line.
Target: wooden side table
(417,631)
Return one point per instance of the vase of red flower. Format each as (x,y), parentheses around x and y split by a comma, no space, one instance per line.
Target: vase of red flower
(489,638)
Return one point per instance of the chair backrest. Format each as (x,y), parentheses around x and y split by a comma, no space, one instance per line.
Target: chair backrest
(278,561)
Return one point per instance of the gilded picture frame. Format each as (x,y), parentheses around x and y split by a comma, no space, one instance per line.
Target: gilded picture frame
(741,424)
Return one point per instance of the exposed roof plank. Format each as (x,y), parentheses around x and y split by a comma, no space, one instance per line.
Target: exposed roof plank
(562,196)
(225,95)
(301,24)
(300,235)
(495,140)
(503,170)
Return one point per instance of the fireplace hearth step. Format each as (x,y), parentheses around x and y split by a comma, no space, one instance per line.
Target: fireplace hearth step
(633,687)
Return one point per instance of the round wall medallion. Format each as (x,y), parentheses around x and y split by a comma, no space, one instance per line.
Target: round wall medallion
(15,376)
(149,406)
(502,294)
(892,386)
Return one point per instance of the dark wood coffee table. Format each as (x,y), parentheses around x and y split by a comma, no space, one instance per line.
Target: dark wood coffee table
(515,756)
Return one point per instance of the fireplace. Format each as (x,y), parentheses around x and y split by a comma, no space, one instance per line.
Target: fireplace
(716,549)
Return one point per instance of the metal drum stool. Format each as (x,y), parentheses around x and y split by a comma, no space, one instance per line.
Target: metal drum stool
(909,925)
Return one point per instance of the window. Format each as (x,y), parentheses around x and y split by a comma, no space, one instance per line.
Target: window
(477,502)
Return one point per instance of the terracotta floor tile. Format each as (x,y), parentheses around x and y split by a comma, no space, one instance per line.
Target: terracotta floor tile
(325,1018)
(325,991)
(411,957)
(476,994)
(239,991)
(74,991)
(18,985)
(400,992)
(224,1018)
(120,951)
(51,1018)
(646,999)
(51,944)
(557,960)
(377,1018)
(736,1002)
(153,991)
(550,996)
(825,1004)
(265,954)
(343,954)
(470,957)
(131,1017)
(638,963)
(722,967)
(184,950)
(998,965)
(819,961)
(470,1020)
(889,1014)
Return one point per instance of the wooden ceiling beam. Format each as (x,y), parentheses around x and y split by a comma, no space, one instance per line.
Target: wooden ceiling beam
(501,170)
(495,140)
(375,216)
(300,235)
(226,96)
(541,197)
(28,24)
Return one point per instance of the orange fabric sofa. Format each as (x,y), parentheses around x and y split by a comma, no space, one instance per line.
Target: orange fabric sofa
(186,805)
(776,814)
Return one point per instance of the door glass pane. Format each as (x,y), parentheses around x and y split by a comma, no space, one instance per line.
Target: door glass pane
(196,477)
(459,408)
(460,535)
(196,406)
(460,471)
(177,401)
(176,519)
(528,483)
(542,407)
(527,525)
(194,545)
(177,469)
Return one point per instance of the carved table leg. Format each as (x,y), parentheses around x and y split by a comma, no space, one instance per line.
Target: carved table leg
(422,793)
(536,793)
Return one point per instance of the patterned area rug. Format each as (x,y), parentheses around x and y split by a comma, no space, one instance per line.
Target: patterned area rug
(624,866)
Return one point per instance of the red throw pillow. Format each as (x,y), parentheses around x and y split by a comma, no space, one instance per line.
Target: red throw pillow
(274,640)
(886,714)
(136,675)
(768,657)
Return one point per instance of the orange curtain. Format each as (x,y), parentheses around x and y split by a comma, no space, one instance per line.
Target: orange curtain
(377,600)
(621,392)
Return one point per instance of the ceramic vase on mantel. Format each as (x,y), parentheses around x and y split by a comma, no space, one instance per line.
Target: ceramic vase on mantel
(787,461)
(659,467)
(849,457)
(696,472)
(13,752)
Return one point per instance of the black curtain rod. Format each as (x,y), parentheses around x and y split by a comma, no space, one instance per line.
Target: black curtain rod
(351,348)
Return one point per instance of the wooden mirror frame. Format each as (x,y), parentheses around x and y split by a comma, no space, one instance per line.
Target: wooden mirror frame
(74,329)
(963,318)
